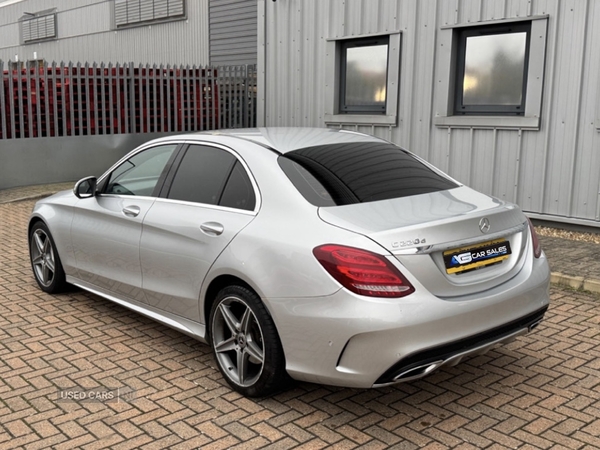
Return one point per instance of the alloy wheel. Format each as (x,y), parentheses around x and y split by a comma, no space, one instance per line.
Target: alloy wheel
(238,341)
(42,257)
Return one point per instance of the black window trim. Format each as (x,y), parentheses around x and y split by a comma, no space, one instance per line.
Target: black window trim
(361,42)
(488,30)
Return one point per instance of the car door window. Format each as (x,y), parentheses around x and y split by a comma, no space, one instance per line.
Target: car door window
(140,174)
(238,192)
(212,176)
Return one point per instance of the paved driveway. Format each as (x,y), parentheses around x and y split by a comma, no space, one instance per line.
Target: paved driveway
(152,387)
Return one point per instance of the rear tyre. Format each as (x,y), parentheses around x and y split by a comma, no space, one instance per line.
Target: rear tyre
(246,344)
(45,262)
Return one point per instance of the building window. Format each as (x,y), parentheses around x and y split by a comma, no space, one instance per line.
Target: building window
(38,27)
(134,12)
(363,79)
(363,76)
(491,74)
(492,70)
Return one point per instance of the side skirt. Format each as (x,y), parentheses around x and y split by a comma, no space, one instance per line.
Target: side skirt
(186,326)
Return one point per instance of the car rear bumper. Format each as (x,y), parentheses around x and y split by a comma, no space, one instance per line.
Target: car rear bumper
(355,341)
(422,363)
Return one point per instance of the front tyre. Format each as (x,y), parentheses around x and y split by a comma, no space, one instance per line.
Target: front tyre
(246,344)
(45,262)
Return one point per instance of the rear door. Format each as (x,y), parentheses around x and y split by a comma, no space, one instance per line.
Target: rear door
(208,198)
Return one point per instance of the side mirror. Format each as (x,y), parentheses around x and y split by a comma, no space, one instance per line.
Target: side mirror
(85,188)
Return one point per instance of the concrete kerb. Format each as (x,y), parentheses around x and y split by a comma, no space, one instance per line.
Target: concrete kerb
(560,279)
(33,192)
(28,197)
(577,283)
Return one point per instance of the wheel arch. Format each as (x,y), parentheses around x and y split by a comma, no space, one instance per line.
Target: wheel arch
(32,221)
(213,289)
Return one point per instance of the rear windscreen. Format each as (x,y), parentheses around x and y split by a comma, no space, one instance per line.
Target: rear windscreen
(342,174)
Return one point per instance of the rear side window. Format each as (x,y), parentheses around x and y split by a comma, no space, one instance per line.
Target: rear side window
(342,174)
(238,192)
(212,176)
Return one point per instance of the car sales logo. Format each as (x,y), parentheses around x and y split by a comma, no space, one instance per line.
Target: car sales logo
(479,255)
(464,259)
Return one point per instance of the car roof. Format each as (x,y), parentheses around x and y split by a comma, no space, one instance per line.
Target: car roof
(287,139)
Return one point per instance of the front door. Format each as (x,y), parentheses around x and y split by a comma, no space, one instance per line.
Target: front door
(107,228)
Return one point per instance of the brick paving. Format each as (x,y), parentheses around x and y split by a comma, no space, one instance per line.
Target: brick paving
(573,263)
(541,391)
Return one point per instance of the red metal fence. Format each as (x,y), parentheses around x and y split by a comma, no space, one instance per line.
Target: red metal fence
(77,100)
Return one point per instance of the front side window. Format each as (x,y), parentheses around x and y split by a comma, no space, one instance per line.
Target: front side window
(364,76)
(140,174)
(342,174)
(492,70)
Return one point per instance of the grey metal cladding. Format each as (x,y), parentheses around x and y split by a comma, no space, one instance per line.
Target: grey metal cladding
(233,32)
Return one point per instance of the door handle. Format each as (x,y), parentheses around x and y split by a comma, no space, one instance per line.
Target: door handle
(131,211)
(212,228)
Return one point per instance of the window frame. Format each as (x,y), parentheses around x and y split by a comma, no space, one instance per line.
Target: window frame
(333,115)
(146,22)
(344,47)
(459,107)
(446,76)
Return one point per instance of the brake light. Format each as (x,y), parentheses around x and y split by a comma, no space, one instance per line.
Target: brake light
(363,272)
(537,247)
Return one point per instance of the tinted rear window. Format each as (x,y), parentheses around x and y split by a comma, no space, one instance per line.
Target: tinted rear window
(342,174)
(201,175)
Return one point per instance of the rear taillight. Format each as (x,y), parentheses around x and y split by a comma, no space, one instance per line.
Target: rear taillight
(363,272)
(537,247)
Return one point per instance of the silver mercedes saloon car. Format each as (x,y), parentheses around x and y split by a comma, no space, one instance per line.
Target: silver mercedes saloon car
(320,255)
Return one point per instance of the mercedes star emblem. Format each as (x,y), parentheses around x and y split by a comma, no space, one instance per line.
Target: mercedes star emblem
(484,225)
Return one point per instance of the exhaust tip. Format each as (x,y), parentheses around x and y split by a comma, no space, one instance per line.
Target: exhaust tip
(534,325)
(418,372)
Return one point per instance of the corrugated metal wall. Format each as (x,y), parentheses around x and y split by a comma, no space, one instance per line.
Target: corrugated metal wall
(86,33)
(233,32)
(553,171)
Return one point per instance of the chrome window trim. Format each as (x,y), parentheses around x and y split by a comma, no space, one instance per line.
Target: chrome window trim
(132,154)
(188,141)
(207,206)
